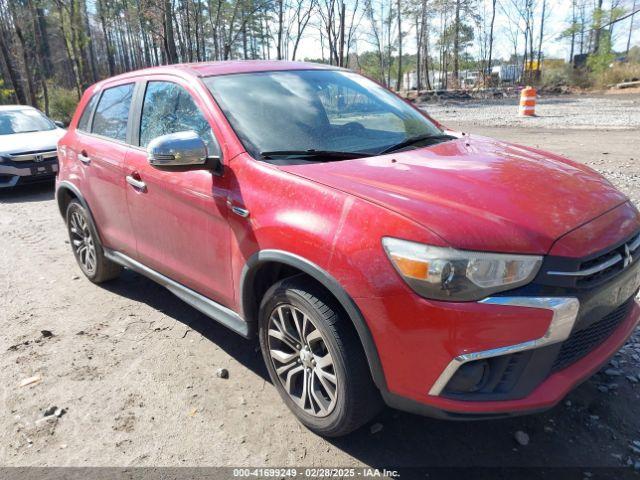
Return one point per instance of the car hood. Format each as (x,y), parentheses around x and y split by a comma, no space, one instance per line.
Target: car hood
(31,141)
(477,193)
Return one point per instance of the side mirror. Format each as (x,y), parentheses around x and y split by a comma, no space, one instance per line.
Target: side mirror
(59,124)
(181,149)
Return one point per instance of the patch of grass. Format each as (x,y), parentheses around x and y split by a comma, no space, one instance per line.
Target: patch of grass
(618,73)
(62,104)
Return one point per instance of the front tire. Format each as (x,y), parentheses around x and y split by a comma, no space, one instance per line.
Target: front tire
(86,245)
(315,359)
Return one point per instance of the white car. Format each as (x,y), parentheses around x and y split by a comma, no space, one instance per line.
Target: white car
(28,146)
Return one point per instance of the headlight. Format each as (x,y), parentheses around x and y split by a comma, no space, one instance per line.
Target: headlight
(457,275)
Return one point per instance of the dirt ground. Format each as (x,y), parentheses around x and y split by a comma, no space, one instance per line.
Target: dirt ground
(620,112)
(133,368)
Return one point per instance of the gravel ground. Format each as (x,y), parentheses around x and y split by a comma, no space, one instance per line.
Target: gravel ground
(132,368)
(567,112)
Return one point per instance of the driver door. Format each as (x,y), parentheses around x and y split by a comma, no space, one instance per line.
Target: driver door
(179,218)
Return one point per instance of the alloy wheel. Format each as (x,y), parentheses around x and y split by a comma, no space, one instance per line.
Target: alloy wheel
(302,361)
(82,241)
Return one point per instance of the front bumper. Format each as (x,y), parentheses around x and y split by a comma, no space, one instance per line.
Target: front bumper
(564,313)
(545,396)
(423,343)
(18,173)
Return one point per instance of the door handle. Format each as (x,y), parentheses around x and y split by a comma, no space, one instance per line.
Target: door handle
(136,182)
(242,212)
(84,158)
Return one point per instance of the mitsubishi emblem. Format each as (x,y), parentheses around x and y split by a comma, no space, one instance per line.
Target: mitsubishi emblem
(628,258)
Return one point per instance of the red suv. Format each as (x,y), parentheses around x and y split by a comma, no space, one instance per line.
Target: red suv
(378,256)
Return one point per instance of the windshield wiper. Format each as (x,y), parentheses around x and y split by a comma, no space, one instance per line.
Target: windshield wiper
(417,139)
(328,154)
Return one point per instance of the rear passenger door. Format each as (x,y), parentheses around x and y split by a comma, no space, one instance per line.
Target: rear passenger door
(101,150)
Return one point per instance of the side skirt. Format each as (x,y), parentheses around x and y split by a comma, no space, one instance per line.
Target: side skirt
(214,310)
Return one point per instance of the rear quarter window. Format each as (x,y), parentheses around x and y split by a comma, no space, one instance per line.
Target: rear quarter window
(112,113)
(84,123)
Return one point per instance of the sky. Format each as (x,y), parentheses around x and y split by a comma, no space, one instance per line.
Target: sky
(556,21)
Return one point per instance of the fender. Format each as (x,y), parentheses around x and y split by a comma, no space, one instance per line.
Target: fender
(66,185)
(247,296)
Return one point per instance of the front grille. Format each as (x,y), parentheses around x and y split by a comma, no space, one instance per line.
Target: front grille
(603,274)
(598,270)
(34,156)
(581,342)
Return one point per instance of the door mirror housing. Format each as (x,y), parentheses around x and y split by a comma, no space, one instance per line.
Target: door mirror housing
(59,124)
(181,149)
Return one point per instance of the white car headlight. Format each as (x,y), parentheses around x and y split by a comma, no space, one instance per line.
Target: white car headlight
(458,275)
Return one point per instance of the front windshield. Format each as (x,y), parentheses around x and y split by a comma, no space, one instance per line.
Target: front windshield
(315,110)
(23,121)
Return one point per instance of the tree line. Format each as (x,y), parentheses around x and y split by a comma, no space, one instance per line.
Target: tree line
(53,46)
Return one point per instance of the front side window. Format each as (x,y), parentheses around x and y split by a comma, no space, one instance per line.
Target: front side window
(169,108)
(112,113)
(315,110)
(24,120)
(85,118)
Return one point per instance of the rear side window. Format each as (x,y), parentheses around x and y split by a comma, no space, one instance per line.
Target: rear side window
(169,108)
(112,113)
(84,123)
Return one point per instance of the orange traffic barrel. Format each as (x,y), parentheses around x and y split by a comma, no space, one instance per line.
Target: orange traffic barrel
(528,102)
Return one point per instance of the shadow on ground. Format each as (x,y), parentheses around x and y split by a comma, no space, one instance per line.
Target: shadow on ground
(39,192)
(141,289)
(586,431)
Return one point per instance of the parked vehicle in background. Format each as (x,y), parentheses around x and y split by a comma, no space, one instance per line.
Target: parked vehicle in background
(469,79)
(377,255)
(28,146)
(507,73)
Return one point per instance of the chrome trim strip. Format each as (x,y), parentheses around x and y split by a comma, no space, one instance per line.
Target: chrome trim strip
(635,244)
(630,248)
(214,310)
(590,271)
(565,313)
(29,157)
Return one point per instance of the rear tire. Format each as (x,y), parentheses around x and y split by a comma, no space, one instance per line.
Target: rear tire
(306,339)
(86,246)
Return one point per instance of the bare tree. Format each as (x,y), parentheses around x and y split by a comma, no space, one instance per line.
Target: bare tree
(633,9)
(300,19)
(399,13)
(491,28)
(376,35)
